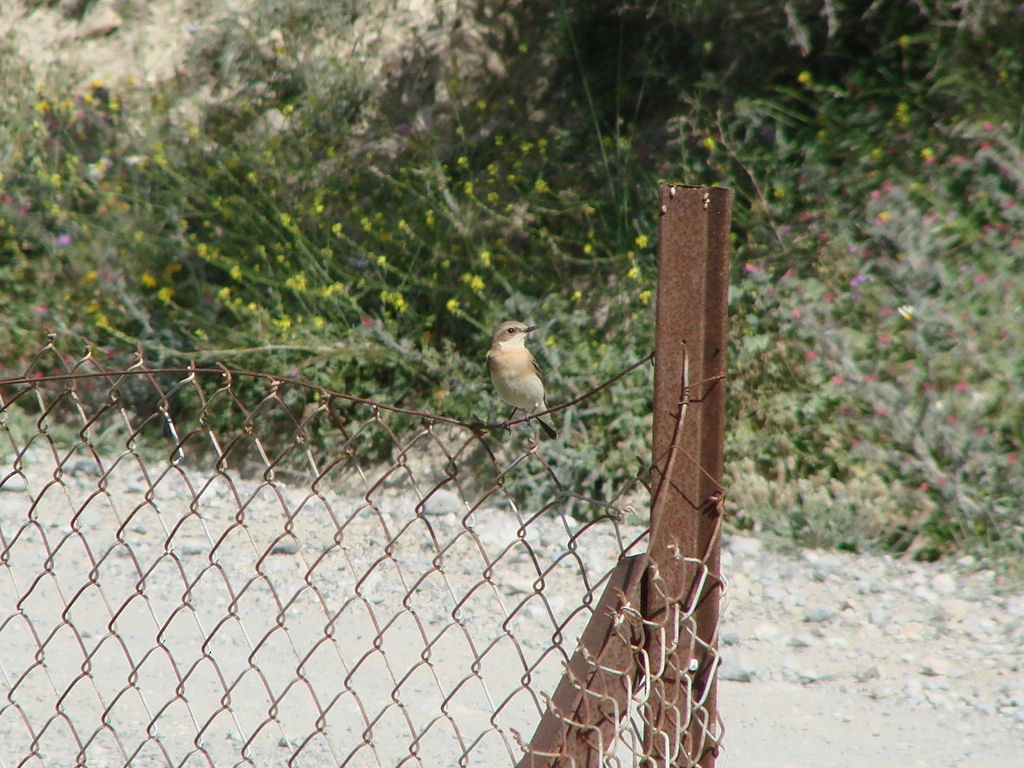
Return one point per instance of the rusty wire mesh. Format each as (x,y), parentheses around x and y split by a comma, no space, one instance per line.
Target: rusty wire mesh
(208,568)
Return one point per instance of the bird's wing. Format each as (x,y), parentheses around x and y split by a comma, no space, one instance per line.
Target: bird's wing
(536,368)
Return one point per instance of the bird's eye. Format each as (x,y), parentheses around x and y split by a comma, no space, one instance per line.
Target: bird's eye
(510,330)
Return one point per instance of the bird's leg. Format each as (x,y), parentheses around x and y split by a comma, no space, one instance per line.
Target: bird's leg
(508,421)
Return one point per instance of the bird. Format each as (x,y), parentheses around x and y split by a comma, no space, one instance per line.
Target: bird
(514,372)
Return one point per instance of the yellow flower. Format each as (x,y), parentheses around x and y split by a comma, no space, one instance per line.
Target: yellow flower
(224,294)
(805,78)
(336,228)
(633,273)
(452,305)
(296,282)
(395,299)
(709,143)
(475,282)
(902,114)
(165,294)
(641,240)
(468,187)
(541,186)
(147,280)
(645,297)
(332,289)
(235,273)
(577,297)
(462,162)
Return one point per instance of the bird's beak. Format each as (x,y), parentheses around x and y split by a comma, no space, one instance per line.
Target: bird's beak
(531,328)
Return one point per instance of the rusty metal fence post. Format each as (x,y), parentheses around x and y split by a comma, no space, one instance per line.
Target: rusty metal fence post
(684,581)
(650,648)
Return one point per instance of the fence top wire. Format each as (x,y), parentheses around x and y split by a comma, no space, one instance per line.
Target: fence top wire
(208,566)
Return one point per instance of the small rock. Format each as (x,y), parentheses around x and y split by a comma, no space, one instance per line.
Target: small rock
(99,23)
(864,674)
(744,546)
(13,483)
(913,690)
(924,594)
(1014,695)
(443,502)
(793,671)
(83,466)
(944,584)
(935,666)
(285,547)
(878,616)
(818,613)
(737,668)
(731,638)
(912,630)
(193,546)
(801,640)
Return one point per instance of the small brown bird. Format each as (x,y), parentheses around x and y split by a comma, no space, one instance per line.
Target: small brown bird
(515,373)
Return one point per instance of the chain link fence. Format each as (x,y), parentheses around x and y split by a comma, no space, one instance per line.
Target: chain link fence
(202,567)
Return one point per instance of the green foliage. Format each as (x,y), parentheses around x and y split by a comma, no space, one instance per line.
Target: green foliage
(364,230)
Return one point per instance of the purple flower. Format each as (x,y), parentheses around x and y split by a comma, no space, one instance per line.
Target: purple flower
(858,280)
(63,241)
